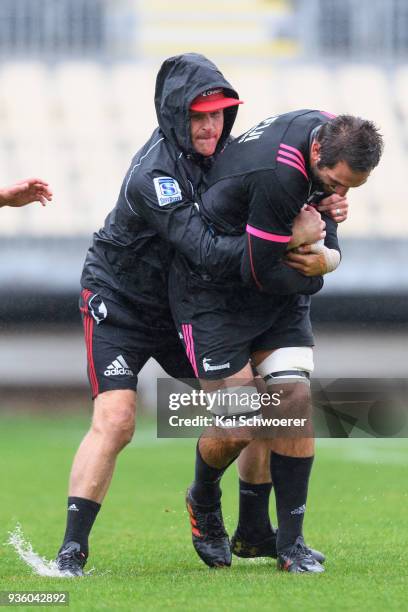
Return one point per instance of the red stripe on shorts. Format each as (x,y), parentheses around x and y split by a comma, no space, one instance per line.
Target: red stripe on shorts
(88,329)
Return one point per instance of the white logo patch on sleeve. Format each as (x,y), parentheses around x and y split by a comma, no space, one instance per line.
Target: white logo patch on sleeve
(167,190)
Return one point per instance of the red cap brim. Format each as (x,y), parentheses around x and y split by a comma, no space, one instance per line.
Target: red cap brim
(209,106)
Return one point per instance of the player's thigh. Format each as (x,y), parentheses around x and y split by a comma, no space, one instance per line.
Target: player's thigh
(286,372)
(115,354)
(173,359)
(284,352)
(242,379)
(114,412)
(214,347)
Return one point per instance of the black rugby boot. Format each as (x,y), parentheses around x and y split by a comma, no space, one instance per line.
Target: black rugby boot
(71,560)
(210,539)
(266,547)
(298,559)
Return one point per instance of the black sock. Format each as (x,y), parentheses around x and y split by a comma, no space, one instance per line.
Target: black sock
(206,489)
(80,518)
(290,477)
(254,523)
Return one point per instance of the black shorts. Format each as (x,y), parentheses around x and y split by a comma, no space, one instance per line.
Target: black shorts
(222,327)
(120,340)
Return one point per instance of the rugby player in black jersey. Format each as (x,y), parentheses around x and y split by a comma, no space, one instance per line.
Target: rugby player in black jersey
(259,185)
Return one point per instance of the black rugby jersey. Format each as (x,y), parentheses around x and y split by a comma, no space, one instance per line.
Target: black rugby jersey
(258,186)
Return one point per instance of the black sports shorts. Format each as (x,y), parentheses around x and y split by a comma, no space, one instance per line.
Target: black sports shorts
(120,340)
(222,327)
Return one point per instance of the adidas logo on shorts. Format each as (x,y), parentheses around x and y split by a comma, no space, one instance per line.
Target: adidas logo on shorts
(300,510)
(118,367)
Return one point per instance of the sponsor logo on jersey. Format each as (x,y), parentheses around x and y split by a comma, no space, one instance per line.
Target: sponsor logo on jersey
(210,368)
(118,367)
(167,190)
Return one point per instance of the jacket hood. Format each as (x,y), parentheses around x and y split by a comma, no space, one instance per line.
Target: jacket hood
(181,79)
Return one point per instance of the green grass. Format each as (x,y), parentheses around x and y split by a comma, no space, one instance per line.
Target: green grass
(141,547)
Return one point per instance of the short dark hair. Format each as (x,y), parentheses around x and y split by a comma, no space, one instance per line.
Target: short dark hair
(351,139)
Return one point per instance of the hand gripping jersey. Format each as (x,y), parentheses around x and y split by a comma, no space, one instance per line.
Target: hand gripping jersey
(258,186)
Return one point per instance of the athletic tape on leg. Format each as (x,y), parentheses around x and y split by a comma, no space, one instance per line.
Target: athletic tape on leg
(291,364)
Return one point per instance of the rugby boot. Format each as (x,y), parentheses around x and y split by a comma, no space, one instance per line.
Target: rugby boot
(71,560)
(246,549)
(210,539)
(297,559)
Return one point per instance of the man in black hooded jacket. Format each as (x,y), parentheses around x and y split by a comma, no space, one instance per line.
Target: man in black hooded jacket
(124,300)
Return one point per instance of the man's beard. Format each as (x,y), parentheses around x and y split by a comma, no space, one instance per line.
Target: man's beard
(317,183)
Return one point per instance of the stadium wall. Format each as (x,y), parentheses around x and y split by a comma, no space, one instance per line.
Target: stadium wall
(39,282)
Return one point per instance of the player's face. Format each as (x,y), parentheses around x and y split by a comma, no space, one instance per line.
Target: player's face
(206,130)
(340,178)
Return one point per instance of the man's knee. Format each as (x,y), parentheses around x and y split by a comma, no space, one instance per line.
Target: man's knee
(114,417)
(298,395)
(288,370)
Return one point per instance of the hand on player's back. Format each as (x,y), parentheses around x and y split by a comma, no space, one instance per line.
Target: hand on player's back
(24,192)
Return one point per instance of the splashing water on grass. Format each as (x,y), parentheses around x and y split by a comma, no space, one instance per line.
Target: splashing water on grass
(24,550)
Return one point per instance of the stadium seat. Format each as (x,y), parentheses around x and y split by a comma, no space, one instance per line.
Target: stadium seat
(25,99)
(133,104)
(83,99)
(308,86)
(78,125)
(401,95)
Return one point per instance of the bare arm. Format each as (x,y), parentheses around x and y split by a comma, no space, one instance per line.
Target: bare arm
(25,192)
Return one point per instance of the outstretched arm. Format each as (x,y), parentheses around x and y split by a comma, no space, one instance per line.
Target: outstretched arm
(24,192)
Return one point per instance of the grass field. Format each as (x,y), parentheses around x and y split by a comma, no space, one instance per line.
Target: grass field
(141,548)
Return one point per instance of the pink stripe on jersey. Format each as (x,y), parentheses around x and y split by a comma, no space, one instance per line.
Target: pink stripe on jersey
(282,160)
(266,235)
(295,151)
(291,156)
(329,115)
